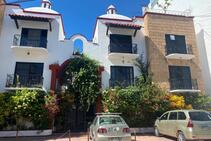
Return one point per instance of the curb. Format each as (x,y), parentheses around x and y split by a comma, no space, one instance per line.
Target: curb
(147,130)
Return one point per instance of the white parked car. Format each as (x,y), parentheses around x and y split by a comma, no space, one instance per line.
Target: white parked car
(185,125)
(109,127)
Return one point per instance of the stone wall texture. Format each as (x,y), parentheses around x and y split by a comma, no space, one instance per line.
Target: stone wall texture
(156,26)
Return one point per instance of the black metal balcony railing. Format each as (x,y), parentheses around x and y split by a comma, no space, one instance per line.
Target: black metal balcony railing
(132,49)
(30,81)
(172,50)
(176,84)
(18,40)
(122,83)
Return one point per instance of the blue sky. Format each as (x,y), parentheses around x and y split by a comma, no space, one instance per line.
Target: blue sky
(80,15)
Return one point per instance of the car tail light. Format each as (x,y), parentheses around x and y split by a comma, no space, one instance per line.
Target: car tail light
(190,123)
(126,130)
(102,130)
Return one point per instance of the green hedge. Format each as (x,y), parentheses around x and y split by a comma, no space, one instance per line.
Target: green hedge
(140,106)
(21,106)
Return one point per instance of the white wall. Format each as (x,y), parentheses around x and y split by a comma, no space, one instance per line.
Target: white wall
(100,51)
(59,49)
(201,11)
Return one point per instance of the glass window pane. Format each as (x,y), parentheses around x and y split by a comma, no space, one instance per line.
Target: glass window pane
(175,44)
(110,120)
(164,117)
(120,43)
(121,76)
(200,116)
(181,116)
(28,74)
(173,116)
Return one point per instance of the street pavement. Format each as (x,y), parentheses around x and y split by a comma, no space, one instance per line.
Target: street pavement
(82,137)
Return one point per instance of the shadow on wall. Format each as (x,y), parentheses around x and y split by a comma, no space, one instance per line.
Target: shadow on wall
(157,60)
(204,60)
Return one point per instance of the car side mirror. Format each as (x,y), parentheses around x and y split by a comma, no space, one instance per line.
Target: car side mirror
(158,118)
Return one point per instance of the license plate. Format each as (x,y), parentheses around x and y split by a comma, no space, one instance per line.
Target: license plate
(115,139)
(114,129)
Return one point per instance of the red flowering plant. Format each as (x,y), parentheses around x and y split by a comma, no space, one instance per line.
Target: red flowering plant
(51,105)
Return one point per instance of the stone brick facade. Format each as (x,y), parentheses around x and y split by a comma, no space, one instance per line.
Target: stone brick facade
(156,26)
(2,7)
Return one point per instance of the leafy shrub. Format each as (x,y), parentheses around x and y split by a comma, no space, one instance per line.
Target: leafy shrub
(139,105)
(81,76)
(6,110)
(21,107)
(142,103)
(198,101)
(51,105)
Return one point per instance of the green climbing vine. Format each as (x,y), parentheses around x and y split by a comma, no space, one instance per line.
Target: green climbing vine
(81,79)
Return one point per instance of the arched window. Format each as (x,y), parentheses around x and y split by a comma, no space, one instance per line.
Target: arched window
(78,47)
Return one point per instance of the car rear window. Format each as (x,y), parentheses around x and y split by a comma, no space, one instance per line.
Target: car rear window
(111,120)
(200,116)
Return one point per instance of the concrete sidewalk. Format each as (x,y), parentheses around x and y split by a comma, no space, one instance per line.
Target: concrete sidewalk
(54,137)
(82,137)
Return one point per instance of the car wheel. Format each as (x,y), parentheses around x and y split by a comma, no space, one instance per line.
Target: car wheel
(157,132)
(180,137)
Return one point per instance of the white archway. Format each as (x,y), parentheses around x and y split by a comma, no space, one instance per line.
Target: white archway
(79,42)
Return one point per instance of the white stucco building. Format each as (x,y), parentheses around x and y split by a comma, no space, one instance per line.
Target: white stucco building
(34,48)
(119,41)
(30,41)
(201,11)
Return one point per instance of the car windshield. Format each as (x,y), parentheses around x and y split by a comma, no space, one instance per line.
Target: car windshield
(200,116)
(111,120)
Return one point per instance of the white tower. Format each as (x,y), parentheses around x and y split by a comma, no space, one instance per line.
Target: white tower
(46,4)
(111,10)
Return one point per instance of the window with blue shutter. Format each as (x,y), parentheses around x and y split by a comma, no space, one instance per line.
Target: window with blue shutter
(180,77)
(28,74)
(34,37)
(175,44)
(121,76)
(120,43)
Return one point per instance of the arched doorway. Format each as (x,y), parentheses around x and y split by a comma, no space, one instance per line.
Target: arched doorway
(72,116)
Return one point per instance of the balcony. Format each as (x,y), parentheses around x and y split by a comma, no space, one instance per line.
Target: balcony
(130,53)
(175,53)
(17,82)
(122,83)
(183,86)
(23,46)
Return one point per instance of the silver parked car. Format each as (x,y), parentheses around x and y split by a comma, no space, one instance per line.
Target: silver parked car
(109,127)
(185,125)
